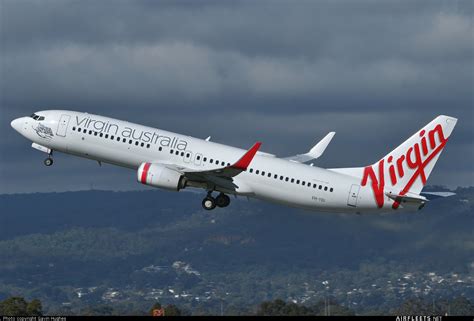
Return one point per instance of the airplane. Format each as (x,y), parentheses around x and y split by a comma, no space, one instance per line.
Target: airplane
(174,162)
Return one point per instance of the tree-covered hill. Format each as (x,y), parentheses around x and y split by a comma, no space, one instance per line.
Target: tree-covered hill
(97,246)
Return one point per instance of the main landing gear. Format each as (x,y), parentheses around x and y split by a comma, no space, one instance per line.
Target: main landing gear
(210,203)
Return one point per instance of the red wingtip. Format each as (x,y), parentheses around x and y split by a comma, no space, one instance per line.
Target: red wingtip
(245,160)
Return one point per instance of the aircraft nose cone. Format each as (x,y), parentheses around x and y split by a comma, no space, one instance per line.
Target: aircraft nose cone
(15,124)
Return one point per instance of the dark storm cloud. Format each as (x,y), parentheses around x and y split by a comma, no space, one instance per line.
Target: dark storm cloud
(284,72)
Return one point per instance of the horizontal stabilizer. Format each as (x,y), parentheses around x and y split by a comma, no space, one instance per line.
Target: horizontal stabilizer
(408,198)
(435,195)
(315,152)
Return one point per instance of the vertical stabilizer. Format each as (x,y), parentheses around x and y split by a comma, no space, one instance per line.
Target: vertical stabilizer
(406,169)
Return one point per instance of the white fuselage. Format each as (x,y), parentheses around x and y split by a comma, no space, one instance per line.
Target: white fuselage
(129,145)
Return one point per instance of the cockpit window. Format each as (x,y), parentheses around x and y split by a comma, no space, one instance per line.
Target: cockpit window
(36,117)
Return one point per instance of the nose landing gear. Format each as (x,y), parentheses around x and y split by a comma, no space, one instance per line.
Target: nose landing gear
(210,203)
(48,161)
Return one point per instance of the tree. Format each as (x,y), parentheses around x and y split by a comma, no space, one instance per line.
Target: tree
(462,306)
(156,308)
(279,307)
(332,308)
(414,306)
(34,308)
(172,310)
(13,306)
(97,310)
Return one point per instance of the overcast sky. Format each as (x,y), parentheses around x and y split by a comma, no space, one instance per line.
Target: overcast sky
(283,72)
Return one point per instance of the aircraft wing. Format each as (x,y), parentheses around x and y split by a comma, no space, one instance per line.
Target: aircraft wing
(219,173)
(314,152)
(228,171)
(222,176)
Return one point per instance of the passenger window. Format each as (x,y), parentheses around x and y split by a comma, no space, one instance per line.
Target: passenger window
(187,155)
(297,181)
(90,132)
(147,145)
(84,131)
(269,174)
(106,135)
(177,153)
(160,149)
(251,170)
(276,176)
(223,163)
(171,151)
(309,184)
(130,142)
(257,172)
(95,133)
(198,157)
(124,140)
(281,178)
(325,188)
(286,179)
(228,164)
(74,129)
(205,159)
(320,186)
(101,135)
(263,173)
(136,143)
(303,183)
(292,180)
(142,144)
(182,153)
(112,137)
(314,185)
(331,189)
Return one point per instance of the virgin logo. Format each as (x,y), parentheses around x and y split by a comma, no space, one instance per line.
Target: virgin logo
(414,161)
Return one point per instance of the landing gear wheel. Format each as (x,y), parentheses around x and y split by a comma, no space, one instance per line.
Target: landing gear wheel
(222,200)
(48,161)
(209,203)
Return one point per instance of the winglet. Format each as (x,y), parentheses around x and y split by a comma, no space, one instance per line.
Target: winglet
(245,160)
(320,147)
(315,152)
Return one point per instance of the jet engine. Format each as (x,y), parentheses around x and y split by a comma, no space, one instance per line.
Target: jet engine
(158,175)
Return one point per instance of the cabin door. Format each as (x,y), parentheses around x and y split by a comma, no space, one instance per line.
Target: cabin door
(62,126)
(353,195)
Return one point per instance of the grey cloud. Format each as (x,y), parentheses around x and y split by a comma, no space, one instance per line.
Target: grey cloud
(282,72)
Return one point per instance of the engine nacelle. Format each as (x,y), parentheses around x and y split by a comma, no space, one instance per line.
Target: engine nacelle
(158,175)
